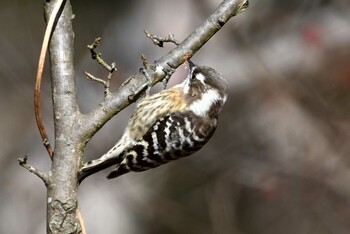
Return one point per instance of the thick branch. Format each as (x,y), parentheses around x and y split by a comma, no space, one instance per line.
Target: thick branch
(161,68)
(62,191)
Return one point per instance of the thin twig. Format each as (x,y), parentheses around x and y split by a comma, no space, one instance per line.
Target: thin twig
(42,175)
(159,41)
(110,68)
(98,56)
(94,78)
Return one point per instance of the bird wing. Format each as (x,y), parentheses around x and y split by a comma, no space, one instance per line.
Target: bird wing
(153,108)
(171,137)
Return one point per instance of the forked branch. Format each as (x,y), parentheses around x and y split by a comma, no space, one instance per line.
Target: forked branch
(110,68)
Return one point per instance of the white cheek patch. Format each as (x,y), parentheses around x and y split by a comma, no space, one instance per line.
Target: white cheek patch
(203,105)
(200,77)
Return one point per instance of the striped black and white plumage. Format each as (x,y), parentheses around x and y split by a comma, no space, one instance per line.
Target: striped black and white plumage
(168,125)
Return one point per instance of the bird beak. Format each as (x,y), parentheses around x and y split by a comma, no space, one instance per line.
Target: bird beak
(192,65)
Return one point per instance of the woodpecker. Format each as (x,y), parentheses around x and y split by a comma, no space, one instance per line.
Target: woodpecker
(168,125)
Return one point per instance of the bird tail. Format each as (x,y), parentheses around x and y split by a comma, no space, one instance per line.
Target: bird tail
(95,166)
(112,157)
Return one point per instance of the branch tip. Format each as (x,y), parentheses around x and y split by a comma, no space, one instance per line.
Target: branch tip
(144,60)
(23,160)
(94,44)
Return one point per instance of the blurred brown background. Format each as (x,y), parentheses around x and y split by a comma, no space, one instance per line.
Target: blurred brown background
(278,162)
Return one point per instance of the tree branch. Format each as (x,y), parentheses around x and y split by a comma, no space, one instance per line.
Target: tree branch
(42,175)
(159,41)
(62,191)
(161,68)
(110,68)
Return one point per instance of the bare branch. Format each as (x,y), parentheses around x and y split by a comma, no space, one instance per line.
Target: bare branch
(42,175)
(110,68)
(92,77)
(98,56)
(68,151)
(159,41)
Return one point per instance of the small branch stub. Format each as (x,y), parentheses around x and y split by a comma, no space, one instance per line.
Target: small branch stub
(42,175)
(159,41)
